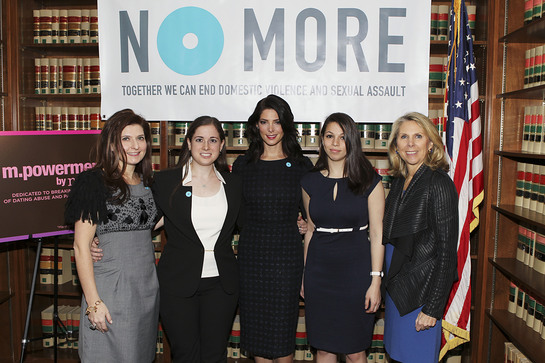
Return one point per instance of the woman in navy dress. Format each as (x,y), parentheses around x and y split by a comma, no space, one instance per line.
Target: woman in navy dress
(344,200)
(270,249)
(420,235)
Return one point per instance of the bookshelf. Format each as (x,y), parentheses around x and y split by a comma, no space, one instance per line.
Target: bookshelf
(509,37)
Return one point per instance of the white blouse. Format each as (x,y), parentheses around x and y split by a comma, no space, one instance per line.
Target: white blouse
(208,215)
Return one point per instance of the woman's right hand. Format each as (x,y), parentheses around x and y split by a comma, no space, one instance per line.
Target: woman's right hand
(99,318)
(96,253)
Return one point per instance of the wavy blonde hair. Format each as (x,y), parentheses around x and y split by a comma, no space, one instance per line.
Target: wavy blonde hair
(436,159)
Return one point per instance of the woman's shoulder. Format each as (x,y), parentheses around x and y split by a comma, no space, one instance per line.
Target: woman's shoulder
(310,178)
(167,173)
(441,182)
(240,162)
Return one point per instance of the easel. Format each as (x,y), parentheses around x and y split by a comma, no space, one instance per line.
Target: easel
(57,323)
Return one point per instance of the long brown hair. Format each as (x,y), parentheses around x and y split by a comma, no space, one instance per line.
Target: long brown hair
(357,168)
(110,153)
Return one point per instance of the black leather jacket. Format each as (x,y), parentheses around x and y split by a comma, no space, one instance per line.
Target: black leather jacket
(422,224)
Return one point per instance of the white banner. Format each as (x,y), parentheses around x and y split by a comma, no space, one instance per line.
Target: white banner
(176,60)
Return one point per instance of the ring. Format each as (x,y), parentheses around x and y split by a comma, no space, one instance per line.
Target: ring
(93,327)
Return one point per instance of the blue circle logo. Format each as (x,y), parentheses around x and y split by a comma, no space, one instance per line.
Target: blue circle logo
(190,41)
(188,194)
(288,164)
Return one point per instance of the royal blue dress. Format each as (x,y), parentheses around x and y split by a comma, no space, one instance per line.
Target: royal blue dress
(401,340)
(338,266)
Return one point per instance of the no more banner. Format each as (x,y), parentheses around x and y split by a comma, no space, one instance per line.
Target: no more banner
(176,60)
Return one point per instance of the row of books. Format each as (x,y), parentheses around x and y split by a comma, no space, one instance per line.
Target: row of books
(67,332)
(67,118)
(67,76)
(534,72)
(532,134)
(438,75)
(513,355)
(66,266)
(530,187)
(531,248)
(527,308)
(440,20)
(533,10)
(65,26)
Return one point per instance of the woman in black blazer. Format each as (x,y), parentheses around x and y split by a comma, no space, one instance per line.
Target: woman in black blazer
(198,272)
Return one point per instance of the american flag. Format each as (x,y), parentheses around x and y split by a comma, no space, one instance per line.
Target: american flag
(464,147)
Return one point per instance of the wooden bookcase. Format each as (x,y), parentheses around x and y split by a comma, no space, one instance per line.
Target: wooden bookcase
(508,39)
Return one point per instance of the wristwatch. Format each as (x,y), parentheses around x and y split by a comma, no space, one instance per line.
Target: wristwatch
(377,273)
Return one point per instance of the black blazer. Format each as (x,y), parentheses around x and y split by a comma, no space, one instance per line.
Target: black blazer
(179,269)
(423,227)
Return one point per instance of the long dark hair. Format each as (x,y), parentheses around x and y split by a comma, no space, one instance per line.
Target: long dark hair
(357,167)
(185,153)
(290,146)
(110,153)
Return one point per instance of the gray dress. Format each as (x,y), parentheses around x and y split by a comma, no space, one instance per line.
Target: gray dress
(127,283)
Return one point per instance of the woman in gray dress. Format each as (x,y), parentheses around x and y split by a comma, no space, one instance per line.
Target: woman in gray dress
(120,303)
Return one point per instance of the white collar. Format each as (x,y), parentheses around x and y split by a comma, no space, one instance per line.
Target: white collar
(189,175)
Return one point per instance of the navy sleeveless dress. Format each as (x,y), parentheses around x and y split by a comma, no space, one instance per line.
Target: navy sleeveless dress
(338,266)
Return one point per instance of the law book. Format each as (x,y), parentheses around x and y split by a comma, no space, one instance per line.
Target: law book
(155,128)
(536,7)
(46,266)
(47,325)
(538,318)
(74,26)
(520,304)
(48,122)
(367,135)
(531,80)
(69,75)
(36,26)
(81,125)
(535,188)
(156,161)
(527,68)
(53,75)
(73,118)
(382,134)
(472,18)
(85,25)
(56,118)
(528,11)
(95,75)
(63,26)
(309,355)
(37,75)
(64,118)
(382,166)
(519,193)
(530,238)
(312,134)
(527,122)
(433,22)
(513,291)
(527,185)
(64,267)
(79,75)
(436,76)
(538,139)
(508,352)
(442,22)
(532,132)
(55,18)
(538,63)
(62,340)
(44,76)
(87,75)
(94,117)
(39,118)
(530,317)
(45,26)
(93,26)
(539,254)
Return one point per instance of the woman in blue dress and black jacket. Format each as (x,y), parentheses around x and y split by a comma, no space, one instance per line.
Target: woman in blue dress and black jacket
(420,236)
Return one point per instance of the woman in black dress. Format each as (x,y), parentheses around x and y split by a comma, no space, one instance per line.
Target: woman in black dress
(270,251)
(344,200)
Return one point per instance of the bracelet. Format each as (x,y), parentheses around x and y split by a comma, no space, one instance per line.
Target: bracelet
(93,308)
(377,273)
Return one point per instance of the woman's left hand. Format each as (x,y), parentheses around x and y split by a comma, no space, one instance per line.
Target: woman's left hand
(424,322)
(372,298)
(302,225)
